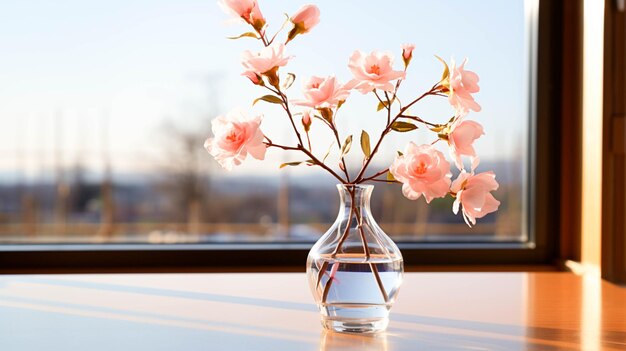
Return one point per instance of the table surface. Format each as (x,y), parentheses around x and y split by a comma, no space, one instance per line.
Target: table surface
(434,311)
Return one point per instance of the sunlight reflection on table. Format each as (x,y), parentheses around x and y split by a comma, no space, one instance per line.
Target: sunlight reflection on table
(449,311)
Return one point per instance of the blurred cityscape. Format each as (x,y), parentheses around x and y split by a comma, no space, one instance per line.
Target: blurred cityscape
(188,201)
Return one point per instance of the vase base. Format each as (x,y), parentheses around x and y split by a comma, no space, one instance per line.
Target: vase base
(359,326)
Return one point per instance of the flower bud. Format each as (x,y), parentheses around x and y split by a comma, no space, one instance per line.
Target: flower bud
(306,120)
(407,53)
(246,10)
(307,17)
(254,78)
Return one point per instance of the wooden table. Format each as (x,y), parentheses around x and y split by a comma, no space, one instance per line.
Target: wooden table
(435,311)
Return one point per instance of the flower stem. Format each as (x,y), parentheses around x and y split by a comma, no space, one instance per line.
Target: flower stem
(308,140)
(366,249)
(343,160)
(286,108)
(376,175)
(278,31)
(261,34)
(359,178)
(389,102)
(322,164)
(354,213)
(301,146)
(309,154)
(383,180)
(284,147)
(417,119)
(336,251)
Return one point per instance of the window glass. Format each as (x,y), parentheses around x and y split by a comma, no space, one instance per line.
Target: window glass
(106,104)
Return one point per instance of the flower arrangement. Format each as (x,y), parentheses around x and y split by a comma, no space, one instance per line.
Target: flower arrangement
(421,169)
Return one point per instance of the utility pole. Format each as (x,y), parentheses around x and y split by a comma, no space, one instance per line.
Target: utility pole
(283,204)
(204,187)
(28,202)
(62,189)
(107,210)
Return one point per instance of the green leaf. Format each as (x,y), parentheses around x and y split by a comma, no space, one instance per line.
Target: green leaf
(403,126)
(438,128)
(365,144)
(296,163)
(269,98)
(246,34)
(346,146)
(328,152)
(400,153)
(382,105)
(446,71)
(390,177)
(289,81)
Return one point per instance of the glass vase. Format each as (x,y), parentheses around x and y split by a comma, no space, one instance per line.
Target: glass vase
(355,270)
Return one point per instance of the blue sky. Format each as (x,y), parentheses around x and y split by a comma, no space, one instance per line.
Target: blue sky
(142,62)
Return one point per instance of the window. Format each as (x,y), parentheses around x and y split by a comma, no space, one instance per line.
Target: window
(107,103)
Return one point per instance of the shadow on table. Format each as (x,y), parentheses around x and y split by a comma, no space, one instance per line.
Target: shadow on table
(201,296)
(503,336)
(31,305)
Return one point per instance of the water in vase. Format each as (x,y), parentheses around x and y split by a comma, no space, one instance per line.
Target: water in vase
(355,294)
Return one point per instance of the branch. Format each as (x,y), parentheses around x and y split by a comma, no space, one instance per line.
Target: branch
(376,175)
(430,92)
(284,147)
(373,267)
(278,31)
(395,91)
(383,181)
(262,36)
(315,160)
(417,119)
(333,127)
(379,99)
(359,177)
(286,108)
(323,165)
(389,102)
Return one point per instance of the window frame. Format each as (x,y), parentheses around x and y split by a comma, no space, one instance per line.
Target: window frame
(543,222)
(614,147)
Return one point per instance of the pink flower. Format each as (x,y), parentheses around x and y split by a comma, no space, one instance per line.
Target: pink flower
(247,10)
(373,71)
(254,78)
(307,17)
(323,92)
(461,138)
(234,136)
(407,53)
(462,85)
(266,60)
(423,170)
(474,193)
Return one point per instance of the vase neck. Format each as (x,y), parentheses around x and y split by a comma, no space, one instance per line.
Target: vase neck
(355,197)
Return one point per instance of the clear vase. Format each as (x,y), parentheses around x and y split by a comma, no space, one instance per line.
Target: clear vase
(355,270)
